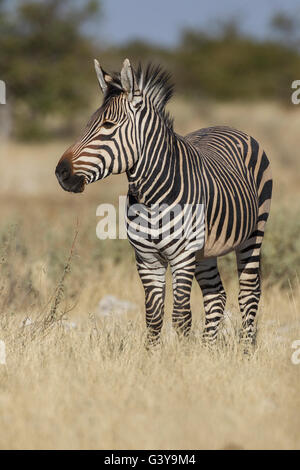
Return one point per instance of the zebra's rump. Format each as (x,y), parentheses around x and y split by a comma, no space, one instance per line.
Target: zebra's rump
(236,183)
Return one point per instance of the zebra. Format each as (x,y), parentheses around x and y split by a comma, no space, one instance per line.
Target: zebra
(223,170)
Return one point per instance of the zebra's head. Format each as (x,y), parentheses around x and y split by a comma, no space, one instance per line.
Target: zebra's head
(112,140)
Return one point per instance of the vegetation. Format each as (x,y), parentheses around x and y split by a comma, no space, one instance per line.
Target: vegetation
(46,62)
(99,386)
(227,66)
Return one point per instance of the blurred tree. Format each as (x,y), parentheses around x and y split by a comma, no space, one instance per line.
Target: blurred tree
(45,59)
(285,28)
(230,65)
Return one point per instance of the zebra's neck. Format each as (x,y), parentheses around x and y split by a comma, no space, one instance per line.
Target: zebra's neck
(158,175)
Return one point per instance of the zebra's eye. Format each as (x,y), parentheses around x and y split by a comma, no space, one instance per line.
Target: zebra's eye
(108,124)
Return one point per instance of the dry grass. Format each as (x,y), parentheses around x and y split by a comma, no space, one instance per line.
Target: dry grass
(96,386)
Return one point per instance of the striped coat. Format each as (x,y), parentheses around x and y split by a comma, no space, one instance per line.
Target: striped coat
(190,199)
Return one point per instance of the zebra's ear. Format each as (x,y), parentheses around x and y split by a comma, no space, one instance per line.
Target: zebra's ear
(103,78)
(129,82)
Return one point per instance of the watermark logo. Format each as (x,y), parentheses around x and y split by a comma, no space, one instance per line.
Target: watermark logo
(295,358)
(153,223)
(296,94)
(108,227)
(2,353)
(2,92)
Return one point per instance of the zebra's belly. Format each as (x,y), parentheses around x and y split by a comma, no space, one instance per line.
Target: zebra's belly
(215,249)
(226,235)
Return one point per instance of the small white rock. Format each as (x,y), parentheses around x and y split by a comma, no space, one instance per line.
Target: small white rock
(109,305)
(69,325)
(26,322)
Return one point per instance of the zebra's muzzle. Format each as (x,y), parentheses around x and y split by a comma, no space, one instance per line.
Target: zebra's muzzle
(69,182)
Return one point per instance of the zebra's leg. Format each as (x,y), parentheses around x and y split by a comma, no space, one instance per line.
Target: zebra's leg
(248,257)
(152,272)
(183,271)
(248,263)
(214,297)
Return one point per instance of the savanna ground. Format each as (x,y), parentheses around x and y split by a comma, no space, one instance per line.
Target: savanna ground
(95,386)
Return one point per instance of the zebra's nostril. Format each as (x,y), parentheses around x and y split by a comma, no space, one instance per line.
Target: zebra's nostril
(64,175)
(67,179)
(63,171)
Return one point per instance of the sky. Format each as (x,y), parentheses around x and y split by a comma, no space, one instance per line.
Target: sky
(161,21)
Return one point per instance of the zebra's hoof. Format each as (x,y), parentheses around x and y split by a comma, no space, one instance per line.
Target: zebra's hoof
(152,343)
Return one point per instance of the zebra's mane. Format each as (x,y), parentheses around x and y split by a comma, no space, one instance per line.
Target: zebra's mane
(152,81)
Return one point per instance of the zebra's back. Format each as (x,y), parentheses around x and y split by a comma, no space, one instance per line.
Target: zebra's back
(236,183)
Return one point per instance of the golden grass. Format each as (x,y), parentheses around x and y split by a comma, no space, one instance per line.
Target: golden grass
(96,386)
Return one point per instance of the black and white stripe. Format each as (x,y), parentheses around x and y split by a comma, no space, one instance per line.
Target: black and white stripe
(215,183)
